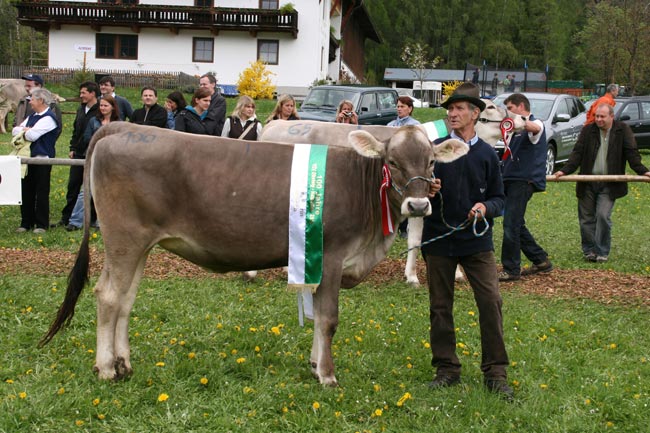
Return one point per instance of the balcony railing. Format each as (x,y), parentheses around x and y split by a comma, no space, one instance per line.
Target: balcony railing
(43,15)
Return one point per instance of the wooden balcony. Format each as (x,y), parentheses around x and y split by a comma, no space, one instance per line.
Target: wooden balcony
(43,15)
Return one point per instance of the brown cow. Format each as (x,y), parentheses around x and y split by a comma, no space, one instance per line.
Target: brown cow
(246,204)
(11,92)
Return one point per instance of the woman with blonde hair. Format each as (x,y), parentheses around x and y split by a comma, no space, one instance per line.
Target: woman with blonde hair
(243,123)
(346,114)
(285,109)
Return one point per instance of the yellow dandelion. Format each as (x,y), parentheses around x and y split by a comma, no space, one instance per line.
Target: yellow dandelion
(9,381)
(572,323)
(61,391)
(543,386)
(173,341)
(237,328)
(543,338)
(409,365)
(204,381)
(191,355)
(257,349)
(612,346)
(22,395)
(79,423)
(223,355)
(337,414)
(637,396)
(101,416)
(378,412)
(515,383)
(96,402)
(471,313)
(233,352)
(241,360)
(377,387)
(403,399)
(609,424)
(460,345)
(248,390)
(94,236)
(315,405)
(219,326)
(163,397)
(160,364)
(285,409)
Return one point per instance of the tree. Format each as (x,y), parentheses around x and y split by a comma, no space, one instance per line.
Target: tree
(416,57)
(19,45)
(255,81)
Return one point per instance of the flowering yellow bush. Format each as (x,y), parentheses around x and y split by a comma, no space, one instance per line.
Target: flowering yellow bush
(255,81)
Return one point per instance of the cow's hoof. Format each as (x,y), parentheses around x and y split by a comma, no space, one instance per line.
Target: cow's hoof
(248,276)
(329,382)
(121,369)
(460,278)
(413,281)
(314,369)
(107,375)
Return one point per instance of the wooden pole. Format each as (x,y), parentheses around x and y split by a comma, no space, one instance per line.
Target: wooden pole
(598,178)
(52,161)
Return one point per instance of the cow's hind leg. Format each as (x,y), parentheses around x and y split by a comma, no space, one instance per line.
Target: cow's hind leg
(115,292)
(415,227)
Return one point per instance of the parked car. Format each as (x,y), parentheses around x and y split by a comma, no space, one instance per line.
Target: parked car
(373,105)
(563,117)
(635,111)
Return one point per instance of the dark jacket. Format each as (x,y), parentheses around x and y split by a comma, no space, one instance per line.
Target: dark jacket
(123,104)
(528,160)
(188,121)
(474,178)
(216,116)
(157,116)
(77,144)
(621,149)
(237,129)
(44,145)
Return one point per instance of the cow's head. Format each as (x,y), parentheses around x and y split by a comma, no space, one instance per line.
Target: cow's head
(488,127)
(410,157)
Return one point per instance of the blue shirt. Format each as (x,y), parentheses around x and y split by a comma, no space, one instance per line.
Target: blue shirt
(403,121)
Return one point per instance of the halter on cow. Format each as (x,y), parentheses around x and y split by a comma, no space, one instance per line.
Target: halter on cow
(138,207)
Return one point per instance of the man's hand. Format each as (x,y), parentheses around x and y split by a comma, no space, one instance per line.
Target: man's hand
(71,154)
(434,187)
(558,174)
(478,208)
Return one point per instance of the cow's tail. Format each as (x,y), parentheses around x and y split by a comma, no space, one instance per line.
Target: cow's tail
(78,277)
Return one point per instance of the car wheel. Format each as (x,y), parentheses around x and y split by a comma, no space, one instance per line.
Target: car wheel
(550,160)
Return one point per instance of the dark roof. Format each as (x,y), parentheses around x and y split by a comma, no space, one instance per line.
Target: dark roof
(362,16)
(442,75)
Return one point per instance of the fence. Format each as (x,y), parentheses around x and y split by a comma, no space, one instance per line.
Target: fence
(123,79)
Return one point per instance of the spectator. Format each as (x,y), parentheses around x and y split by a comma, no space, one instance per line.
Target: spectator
(285,109)
(506,83)
(24,109)
(524,173)
(345,113)
(404,110)
(495,84)
(603,147)
(193,117)
(88,93)
(107,112)
(608,98)
(41,128)
(513,83)
(174,104)
(151,113)
(242,123)
(107,88)
(471,188)
(216,116)
(475,76)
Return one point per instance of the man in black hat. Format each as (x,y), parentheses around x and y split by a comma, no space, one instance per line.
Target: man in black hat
(471,189)
(24,109)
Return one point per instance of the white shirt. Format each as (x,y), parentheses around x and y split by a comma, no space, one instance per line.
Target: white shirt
(42,127)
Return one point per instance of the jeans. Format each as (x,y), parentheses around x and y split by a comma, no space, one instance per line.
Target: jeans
(595,217)
(75,180)
(77,217)
(481,272)
(516,236)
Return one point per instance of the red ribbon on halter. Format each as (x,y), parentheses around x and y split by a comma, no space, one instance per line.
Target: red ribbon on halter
(386,218)
(507,126)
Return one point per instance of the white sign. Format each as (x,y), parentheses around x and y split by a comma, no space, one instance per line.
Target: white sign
(84,48)
(10,185)
(427,85)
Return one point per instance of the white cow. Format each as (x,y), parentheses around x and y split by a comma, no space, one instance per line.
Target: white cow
(309,131)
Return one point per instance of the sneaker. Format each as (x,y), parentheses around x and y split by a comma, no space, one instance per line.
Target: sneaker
(39,230)
(21,230)
(545,266)
(505,277)
(601,259)
(590,257)
(500,387)
(72,228)
(444,381)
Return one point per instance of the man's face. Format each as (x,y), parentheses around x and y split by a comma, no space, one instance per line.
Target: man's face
(205,82)
(86,96)
(460,116)
(603,117)
(149,98)
(517,109)
(106,89)
(30,85)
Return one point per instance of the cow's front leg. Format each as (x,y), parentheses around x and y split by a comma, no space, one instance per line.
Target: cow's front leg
(326,319)
(415,226)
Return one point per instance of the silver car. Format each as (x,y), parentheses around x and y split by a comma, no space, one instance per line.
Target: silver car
(563,117)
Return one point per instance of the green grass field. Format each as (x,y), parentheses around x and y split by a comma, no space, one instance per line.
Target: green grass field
(221,355)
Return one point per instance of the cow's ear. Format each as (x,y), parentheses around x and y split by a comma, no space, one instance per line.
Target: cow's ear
(366,145)
(449,150)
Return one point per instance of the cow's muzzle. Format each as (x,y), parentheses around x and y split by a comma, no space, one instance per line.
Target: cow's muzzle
(416,207)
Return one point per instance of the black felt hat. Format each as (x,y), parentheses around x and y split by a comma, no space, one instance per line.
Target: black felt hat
(465,92)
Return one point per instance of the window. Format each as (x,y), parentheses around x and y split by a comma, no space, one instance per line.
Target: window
(267,51)
(631,110)
(119,2)
(369,102)
(203,50)
(203,3)
(269,4)
(111,46)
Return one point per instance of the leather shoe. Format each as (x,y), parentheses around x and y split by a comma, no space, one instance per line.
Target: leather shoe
(545,266)
(72,228)
(444,381)
(504,277)
(501,388)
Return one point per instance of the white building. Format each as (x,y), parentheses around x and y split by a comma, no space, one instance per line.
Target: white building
(198,36)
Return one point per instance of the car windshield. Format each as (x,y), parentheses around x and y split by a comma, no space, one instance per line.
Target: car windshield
(541,108)
(329,98)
